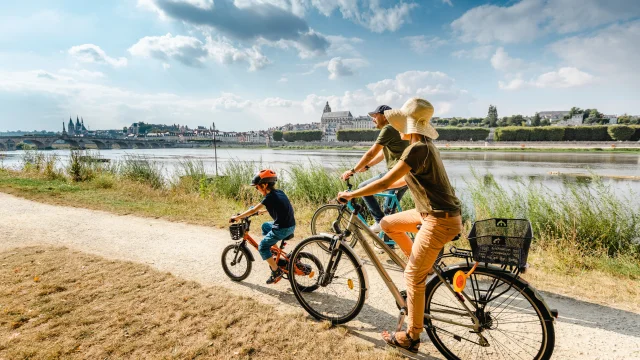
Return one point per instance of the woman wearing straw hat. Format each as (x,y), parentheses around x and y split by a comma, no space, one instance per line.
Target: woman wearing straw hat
(437,210)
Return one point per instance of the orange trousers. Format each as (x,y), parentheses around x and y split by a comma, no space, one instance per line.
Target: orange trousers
(431,238)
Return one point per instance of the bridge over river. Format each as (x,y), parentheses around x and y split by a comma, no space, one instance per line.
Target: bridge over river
(45,142)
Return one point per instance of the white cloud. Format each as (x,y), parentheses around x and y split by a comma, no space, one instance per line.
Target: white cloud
(185,49)
(422,43)
(340,45)
(527,20)
(612,52)
(283,80)
(81,73)
(390,19)
(448,2)
(191,51)
(91,53)
(565,77)
(276,102)
(230,102)
(166,66)
(503,62)
(339,67)
(437,87)
(481,52)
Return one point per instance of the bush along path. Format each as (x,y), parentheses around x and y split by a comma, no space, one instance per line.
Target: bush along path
(584,330)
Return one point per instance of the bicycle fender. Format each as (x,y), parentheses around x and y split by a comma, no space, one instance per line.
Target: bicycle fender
(547,313)
(249,253)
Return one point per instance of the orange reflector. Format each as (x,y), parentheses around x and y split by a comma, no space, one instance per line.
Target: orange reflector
(311,275)
(350,284)
(459,281)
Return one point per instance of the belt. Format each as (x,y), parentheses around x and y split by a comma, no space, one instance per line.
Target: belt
(441,214)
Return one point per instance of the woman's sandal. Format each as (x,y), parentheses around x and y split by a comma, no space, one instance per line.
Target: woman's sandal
(412,348)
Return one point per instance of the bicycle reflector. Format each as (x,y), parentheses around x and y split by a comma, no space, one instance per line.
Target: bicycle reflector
(350,284)
(459,280)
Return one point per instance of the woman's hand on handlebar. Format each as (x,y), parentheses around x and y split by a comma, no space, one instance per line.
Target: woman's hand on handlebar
(234,219)
(344,196)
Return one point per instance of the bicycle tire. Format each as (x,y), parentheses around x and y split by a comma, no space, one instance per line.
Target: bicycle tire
(443,335)
(315,261)
(325,212)
(331,304)
(245,258)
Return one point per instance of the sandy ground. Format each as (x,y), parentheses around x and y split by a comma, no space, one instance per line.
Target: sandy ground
(583,331)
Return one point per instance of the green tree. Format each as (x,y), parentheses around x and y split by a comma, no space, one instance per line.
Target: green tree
(453,122)
(545,122)
(536,120)
(277,135)
(492,116)
(574,110)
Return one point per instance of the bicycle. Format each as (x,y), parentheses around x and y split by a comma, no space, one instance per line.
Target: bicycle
(237,258)
(322,220)
(478,308)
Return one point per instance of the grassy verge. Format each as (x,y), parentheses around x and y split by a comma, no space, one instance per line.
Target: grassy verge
(57,303)
(580,240)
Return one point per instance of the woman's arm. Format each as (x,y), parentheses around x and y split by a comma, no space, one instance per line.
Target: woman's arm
(390,178)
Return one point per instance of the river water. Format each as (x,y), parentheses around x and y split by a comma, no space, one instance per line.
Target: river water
(506,167)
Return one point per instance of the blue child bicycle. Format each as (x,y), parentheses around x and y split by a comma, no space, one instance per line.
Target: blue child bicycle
(323,219)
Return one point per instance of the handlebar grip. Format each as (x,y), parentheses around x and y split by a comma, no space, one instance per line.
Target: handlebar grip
(343,200)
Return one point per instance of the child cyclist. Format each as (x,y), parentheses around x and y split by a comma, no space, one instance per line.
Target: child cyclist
(277,204)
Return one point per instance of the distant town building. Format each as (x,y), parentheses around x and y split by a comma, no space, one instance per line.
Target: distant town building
(575,120)
(553,115)
(332,121)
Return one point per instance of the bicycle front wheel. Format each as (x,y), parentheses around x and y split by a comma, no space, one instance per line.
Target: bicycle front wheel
(514,322)
(341,296)
(323,219)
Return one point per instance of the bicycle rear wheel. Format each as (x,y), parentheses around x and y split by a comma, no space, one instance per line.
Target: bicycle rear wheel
(515,323)
(341,298)
(323,219)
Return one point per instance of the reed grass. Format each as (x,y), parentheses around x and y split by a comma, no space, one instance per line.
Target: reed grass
(142,169)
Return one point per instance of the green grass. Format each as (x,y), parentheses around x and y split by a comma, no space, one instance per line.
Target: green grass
(543,150)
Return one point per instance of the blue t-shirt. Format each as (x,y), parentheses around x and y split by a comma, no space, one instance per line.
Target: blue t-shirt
(280,209)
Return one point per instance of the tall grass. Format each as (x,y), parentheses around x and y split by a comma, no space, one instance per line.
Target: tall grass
(590,218)
(142,169)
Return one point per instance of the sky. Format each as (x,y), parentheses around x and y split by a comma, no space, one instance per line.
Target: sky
(255,64)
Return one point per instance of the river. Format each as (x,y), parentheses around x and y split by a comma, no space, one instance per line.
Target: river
(506,167)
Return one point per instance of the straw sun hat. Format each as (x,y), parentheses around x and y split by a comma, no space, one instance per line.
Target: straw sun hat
(413,118)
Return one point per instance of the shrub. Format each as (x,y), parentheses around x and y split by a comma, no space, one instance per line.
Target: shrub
(277,136)
(310,135)
(462,134)
(51,170)
(621,132)
(586,133)
(32,161)
(530,134)
(358,135)
(142,169)
(104,181)
(636,136)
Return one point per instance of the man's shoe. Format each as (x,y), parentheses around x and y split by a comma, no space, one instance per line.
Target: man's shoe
(376,228)
(275,276)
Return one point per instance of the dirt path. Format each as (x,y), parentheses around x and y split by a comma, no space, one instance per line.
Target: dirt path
(584,330)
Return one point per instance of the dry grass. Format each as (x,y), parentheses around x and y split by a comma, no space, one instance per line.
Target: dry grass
(57,303)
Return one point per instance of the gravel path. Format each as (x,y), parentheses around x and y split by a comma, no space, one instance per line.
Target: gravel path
(584,330)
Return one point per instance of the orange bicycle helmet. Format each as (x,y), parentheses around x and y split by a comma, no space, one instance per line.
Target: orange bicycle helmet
(266,176)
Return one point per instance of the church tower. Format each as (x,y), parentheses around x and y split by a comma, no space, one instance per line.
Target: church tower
(327,108)
(71,128)
(64,129)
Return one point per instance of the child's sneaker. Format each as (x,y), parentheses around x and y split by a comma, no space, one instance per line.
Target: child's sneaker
(275,276)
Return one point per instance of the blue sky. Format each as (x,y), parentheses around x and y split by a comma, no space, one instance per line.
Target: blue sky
(252,64)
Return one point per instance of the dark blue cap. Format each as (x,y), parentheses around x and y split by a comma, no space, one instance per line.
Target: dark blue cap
(380,109)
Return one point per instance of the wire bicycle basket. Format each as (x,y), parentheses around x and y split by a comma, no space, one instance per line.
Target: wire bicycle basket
(237,230)
(501,241)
